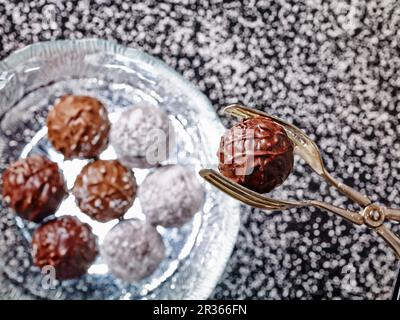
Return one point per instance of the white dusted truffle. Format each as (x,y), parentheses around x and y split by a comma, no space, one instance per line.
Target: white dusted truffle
(133,250)
(141,136)
(171,195)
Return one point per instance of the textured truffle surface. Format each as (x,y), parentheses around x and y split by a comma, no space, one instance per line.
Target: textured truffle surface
(66,244)
(133,250)
(33,187)
(141,136)
(105,190)
(78,127)
(171,195)
(256,153)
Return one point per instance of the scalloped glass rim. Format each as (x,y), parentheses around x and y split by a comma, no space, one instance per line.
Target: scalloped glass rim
(213,269)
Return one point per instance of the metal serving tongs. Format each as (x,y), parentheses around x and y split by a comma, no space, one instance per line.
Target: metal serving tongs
(372,214)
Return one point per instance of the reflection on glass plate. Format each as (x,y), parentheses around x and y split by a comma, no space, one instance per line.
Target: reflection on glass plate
(31,80)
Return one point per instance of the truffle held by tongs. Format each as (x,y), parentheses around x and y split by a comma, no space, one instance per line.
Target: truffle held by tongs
(372,215)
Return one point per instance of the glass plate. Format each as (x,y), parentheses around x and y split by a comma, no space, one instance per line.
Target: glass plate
(31,80)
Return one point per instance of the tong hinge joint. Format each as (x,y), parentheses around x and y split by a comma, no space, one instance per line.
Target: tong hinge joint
(374,215)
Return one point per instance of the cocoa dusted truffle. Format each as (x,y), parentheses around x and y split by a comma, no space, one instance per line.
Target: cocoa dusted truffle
(171,195)
(141,136)
(256,153)
(105,190)
(133,250)
(78,127)
(33,187)
(66,244)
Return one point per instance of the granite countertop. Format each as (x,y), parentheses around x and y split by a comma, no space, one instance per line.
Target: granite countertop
(330,67)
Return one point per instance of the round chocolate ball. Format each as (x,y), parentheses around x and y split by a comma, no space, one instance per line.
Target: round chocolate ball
(141,136)
(171,195)
(256,153)
(105,190)
(133,250)
(33,187)
(66,244)
(78,127)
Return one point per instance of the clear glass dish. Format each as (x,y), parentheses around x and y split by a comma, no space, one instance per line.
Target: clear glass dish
(31,80)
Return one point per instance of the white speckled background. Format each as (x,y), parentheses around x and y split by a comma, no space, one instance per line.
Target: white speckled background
(330,67)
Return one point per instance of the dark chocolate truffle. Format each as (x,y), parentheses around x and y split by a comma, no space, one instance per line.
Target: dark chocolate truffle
(66,244)
(141,136)
(171,195)
(256,153)
(105,190)
(78,127)
(33,187)
(133,250)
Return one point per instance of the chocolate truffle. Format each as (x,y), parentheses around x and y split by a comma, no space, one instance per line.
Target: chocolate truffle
(133,250)
(66,244)
(105,190)
(33,187)
(171,195)
(256,153)
(78,127)
(141,136)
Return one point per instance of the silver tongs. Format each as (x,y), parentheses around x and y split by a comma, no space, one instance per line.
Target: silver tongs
(372,215)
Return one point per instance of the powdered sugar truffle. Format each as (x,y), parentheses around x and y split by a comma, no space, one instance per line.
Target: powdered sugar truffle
(141,136)
(133,250)
(171,195)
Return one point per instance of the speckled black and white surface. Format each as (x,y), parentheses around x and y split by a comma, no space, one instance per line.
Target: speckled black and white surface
(330,67)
